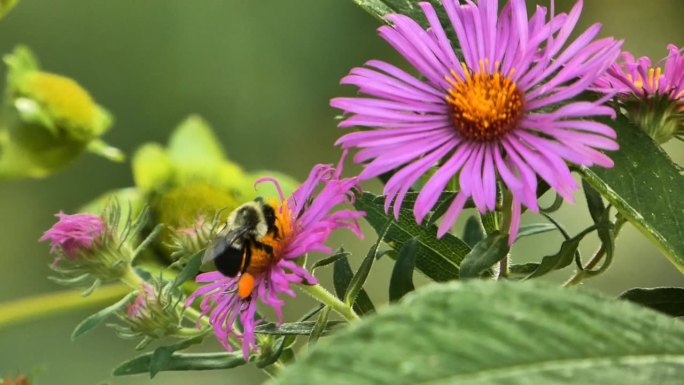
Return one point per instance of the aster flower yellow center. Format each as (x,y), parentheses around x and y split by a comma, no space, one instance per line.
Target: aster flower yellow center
(653,79)
(484,106)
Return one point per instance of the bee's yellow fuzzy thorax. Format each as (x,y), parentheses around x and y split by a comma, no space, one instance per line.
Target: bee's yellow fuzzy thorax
(261,260)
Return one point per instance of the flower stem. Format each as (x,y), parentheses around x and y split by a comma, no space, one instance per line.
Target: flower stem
(507,214)
(325,297)
(63,301)
(132,279)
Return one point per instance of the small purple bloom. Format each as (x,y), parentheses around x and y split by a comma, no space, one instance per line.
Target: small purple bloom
(640,77)
(305,220)
(139,307)
(651,97)
(74,234)
(501,108)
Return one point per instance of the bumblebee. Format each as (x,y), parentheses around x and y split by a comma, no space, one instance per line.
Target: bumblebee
(238,247)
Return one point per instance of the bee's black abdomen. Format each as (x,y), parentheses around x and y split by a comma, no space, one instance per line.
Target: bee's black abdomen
(229,261)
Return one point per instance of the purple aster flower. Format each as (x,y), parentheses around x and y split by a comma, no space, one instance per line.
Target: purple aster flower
(74,234)
(501,108)
(650,96)
(643,79)
(304,222)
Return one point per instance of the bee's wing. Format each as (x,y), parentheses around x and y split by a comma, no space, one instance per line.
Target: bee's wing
(223,241)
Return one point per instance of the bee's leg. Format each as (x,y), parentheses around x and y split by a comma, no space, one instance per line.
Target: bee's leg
(246,256)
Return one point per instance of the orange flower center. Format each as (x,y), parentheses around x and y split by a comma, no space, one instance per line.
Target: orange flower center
(484,106)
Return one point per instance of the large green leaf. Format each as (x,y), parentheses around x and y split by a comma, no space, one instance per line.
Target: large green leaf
(669,300)
(489,333)
(437,258)
(646,187)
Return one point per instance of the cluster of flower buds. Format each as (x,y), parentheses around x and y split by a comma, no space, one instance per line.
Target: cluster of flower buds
(155,312)
(90,249)
(188,241)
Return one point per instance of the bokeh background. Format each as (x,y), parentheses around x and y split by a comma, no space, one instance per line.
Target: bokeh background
(261,72)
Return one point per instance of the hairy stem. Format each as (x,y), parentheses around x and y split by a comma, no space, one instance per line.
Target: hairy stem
(320,294)
(507,213)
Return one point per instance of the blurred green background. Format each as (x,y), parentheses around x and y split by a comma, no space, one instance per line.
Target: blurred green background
(261,72)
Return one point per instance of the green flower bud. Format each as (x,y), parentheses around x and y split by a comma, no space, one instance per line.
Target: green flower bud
(51,119)
(156,312)
(659,116)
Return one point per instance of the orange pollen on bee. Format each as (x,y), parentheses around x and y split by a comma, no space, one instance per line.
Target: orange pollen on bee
(262,258)
(245,285)
(484,106)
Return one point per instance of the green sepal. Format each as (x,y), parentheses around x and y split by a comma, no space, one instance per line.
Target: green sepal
(97,318)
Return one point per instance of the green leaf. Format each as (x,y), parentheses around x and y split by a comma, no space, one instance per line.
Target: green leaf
(594,202)
(190,270)
(359,279)
(645,186)
(320,327)
(303,328)
(193,145)
(270,352)
(499,333)
(401,281)
(380,8)
(562,258)
(100,316)
(6,6)
(484,255)
(161,356)
(182,361)
(521,271)
(342,276)
(473,232)
(534,229)
(601,217)
(152,167)
(331,259)
(491,221)
(100,147)
(437,258)
(668,300)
